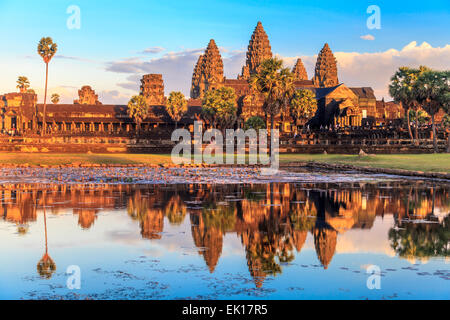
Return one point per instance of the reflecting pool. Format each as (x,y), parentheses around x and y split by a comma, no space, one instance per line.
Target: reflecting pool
(229,241)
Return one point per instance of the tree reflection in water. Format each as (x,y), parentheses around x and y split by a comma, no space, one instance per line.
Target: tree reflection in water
(272,221)
(46,266)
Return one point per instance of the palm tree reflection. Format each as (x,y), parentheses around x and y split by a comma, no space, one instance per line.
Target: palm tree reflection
(46,266)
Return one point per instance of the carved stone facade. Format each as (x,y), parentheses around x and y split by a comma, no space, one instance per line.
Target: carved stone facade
(86,95)
(17,111)
(299,71)
(326,74)
(337,105)
(208,72)
(258,50)
(152,89)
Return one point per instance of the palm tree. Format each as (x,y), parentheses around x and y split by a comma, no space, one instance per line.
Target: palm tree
(401,89)
(433,92)
(138,110)
(176,106)
(46,49)
(276,84)
(23,84)
(55,98)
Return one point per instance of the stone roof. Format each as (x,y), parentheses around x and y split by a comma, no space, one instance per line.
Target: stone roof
(364,92)
(106,113)
(323,92)
(301,84)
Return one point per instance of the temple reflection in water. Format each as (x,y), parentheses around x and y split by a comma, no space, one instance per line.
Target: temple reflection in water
(272,221)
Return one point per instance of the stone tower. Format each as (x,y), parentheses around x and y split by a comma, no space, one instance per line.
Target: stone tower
(299,71)
(325,240)
(152,89)
(196,86)
(326,74)
(258,50)
(87,96)
(208,72)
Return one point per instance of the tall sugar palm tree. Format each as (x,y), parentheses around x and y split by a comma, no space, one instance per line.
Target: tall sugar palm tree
(276,84)
(47,50)
(23,84)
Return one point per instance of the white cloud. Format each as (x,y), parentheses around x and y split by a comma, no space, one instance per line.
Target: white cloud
(113,97)
(368,37)
(153,50)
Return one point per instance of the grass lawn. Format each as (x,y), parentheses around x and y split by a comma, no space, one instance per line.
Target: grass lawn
(419,162)
(416,162)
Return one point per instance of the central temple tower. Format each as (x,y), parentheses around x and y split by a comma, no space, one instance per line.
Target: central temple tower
(258,50)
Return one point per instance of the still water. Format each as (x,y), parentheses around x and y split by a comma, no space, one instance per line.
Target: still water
(256,241)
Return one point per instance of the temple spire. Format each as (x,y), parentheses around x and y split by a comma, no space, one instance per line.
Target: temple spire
(208,72)
(299,71)
(326,74)
(258,50)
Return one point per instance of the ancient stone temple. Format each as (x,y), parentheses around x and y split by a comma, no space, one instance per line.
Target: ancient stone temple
(208,72)
(299,71)
(152,89)
(326,74)
(258,50)
(87,96)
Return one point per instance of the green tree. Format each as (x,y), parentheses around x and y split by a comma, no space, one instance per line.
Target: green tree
(401,88)
(55,98)
(256,123)
(23,84)
(418,116)
(47,50)
(276,84)
(432,90)
(421,240)
(303,105)
(176,106)
(219,107)
(138,110)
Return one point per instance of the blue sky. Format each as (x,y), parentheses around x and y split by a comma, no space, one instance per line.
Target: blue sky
(113,31)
